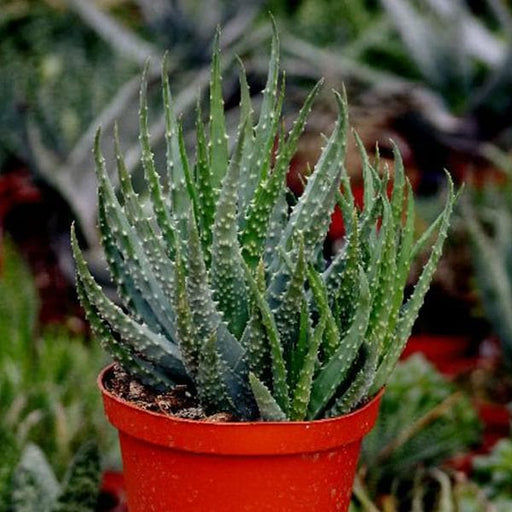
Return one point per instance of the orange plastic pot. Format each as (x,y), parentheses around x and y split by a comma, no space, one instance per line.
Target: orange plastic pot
(177,465)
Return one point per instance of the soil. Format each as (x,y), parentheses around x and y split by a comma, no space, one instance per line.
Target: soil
(180,402)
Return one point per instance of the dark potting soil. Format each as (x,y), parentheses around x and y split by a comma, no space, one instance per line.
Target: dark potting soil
(180,402)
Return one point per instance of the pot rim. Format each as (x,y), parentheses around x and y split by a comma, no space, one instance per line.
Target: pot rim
(265,437)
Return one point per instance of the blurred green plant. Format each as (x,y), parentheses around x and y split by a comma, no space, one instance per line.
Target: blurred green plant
(35,488)
(488,219)
(46,397)
(67,68)
(493,473)
(423,421)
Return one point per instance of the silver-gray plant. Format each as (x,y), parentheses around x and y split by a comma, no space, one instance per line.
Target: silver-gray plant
(488,219)
(224,284)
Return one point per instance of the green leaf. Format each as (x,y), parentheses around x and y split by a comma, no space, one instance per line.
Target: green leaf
(254,340)
(153,244)
(359,386)
(287,314)
(311,215)
(131,248)
(385,283)
(82,482)
(258,160)
(270,189)
(190,345)
(227,264)
(205,193)
(399,183)
(410,310)
(279,374)
(235,372)
(151,346)
(123,354)
(267,405)
(205,316)
(178,171)
(34,486)
(332,374)
(301,348)
(302,392)
(210,385)
(332,335)
(246,113)
(218,154)
(163,215)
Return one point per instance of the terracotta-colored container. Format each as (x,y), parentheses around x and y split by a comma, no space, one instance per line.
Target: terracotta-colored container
(451,355)
(177,465)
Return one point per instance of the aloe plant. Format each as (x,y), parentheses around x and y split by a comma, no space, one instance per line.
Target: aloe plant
(35,488)
(223,284)
(488,218)
(423,421)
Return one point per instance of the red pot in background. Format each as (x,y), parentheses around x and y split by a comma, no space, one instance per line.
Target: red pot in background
(497,421)
(112,496)
(177,465)
(451,355)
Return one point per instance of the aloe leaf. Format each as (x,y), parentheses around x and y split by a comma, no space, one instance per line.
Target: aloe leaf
(320,294)
(149,345)
(246,113)
(410,310)
(205,316)
(154,246)
(145,372)
(34,486)
(189,179)
(276,226)
(279,373)
(333,373)
(210,385)
(258,160)
(403,262)
(318,199)
(287,315)
(345,206)
(302,392)
(205,193)
(426,236)
(358,388)
(235,372)
(343,284)
(300,349)
(334,275)
(267,405)
(270,188)
(190,345)
(129,293)
(399,184)
(132,249)
(82,482)
(369,174)
(255,342)
(492,277)
(163,215)
(178,172)
(124,355)
(385,282)
(227,274)
(218,147)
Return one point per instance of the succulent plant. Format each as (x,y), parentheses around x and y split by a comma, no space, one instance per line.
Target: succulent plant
(488,218)
(494,471)
(35,488)
(423,421)
(223,284)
